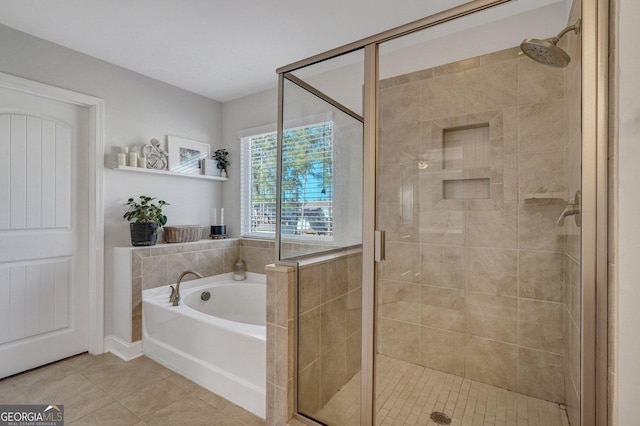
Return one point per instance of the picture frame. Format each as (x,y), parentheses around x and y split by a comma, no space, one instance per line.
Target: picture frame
(185,155)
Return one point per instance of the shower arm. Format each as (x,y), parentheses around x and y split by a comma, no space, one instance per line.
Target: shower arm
(575,28)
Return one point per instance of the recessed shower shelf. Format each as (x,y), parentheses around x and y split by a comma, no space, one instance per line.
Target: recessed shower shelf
(169,173)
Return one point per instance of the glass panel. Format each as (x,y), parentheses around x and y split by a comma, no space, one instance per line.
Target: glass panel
(479,154)
(321,212)
(571,230)
(321,174)
(340,78)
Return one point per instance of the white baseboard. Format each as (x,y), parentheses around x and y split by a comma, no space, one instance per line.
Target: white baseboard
(124,350)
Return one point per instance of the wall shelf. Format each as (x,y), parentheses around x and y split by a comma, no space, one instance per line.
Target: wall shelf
(170,173)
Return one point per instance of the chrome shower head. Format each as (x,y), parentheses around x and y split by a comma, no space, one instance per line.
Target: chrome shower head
(547,52)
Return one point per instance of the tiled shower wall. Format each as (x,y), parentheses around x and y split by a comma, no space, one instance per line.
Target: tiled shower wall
(161,265)
(328,301)
(474,284)
(330,331)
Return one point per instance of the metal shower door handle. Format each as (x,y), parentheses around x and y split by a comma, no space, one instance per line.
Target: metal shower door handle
(378,242)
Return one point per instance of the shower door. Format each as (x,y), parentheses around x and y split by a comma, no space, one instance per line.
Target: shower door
(464,171)
(478,297)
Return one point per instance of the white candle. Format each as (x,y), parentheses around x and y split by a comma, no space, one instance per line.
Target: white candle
(133,159)
(122,159)
(124,149)
(142,162)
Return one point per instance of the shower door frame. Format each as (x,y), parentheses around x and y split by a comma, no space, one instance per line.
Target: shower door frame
(594,244)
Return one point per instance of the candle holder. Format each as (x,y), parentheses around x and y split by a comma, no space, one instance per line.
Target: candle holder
(218,231)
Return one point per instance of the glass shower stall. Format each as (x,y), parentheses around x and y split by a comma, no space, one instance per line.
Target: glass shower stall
(436,198)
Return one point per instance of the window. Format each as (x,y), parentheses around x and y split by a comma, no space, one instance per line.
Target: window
(307,185)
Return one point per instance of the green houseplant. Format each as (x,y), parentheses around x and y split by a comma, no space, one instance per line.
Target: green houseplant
(221,157)
(146,219)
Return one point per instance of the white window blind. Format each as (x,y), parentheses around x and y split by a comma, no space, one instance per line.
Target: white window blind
(307,184)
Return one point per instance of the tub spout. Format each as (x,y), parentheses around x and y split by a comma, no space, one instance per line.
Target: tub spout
(572,209)
(175,293)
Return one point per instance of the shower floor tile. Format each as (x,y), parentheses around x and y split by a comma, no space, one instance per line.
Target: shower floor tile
(407,394)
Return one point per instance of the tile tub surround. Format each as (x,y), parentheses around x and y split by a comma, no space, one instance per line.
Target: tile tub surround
(161,265)
(477,287)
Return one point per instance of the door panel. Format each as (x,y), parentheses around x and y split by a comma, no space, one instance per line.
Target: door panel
(43,231)
(38,191)
(477,158)
(35,298)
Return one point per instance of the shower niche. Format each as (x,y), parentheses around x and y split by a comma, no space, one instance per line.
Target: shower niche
(466,163)
(469,161)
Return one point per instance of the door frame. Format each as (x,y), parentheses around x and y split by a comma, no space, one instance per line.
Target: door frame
(96,192)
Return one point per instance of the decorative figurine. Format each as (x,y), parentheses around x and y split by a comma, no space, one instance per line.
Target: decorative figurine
(157,158)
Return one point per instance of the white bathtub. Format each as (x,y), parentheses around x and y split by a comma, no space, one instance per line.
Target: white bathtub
(220,343)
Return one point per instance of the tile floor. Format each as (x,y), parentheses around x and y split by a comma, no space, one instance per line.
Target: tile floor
(104,390)
(407,394)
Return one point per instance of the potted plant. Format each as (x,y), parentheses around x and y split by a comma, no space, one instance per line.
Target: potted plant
(146,220)
(220,156)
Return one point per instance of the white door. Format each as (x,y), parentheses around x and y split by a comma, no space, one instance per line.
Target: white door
(44,198)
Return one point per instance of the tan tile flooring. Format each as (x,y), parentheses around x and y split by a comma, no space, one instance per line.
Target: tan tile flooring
(104,390)
(407,394)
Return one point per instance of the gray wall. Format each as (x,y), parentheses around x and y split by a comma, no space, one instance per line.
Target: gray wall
(138,108)
(627,369)
(251,111)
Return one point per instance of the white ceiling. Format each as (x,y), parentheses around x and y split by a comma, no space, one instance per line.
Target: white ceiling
(221,49)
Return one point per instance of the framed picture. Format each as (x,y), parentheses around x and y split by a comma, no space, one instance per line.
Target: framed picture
(185,155)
